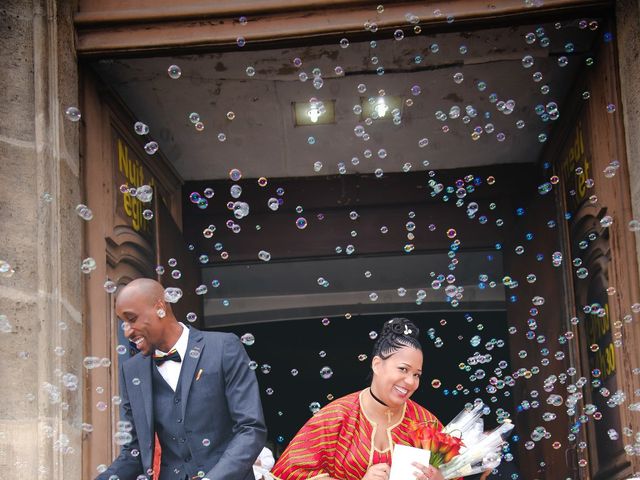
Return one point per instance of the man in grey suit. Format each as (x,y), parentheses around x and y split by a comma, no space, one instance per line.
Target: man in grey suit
(192,389)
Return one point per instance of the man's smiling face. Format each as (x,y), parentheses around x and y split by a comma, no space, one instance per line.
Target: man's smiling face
(142,325)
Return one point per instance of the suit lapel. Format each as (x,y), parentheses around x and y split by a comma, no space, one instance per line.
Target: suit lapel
(195,348)
(146,386)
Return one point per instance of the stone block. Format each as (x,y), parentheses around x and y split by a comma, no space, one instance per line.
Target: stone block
(19,210)
(18,442)
(71,232)
(19,354)
(17,108)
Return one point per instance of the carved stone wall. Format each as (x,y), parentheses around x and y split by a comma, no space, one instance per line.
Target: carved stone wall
(40,417)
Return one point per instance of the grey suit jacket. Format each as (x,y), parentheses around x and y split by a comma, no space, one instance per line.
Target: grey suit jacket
(220,401)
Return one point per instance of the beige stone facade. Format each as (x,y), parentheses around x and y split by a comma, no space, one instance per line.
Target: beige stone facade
(40,420)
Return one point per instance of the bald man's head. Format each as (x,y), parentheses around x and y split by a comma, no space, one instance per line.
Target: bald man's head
(144,290)
(148,319)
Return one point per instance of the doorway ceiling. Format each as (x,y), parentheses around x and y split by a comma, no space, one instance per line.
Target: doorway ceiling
(263,139)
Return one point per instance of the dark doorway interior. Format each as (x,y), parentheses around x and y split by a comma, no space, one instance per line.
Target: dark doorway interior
(298,344)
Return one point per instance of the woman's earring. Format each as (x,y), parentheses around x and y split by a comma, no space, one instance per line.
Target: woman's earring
(161,313)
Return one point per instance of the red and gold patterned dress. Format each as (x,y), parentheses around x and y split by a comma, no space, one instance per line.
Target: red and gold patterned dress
(337,441)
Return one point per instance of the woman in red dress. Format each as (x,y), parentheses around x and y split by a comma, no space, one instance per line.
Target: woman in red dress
(353,437)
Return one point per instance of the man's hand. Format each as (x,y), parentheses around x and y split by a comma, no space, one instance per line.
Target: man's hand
(379,471)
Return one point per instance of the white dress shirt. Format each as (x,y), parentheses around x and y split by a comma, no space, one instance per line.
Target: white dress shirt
(170,370)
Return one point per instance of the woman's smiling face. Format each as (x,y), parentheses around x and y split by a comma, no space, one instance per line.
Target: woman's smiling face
(397,377)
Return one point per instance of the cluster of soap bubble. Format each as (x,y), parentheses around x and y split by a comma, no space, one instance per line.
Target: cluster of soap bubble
(95,362)
(559,390)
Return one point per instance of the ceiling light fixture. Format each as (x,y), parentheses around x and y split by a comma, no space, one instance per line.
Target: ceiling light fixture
(381,107)
(378,108)
(314,112)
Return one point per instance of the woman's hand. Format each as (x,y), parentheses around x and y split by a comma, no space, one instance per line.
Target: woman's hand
(379,471)
(427,472)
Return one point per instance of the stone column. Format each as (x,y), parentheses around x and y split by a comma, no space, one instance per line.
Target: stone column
(628,45)
(41,344)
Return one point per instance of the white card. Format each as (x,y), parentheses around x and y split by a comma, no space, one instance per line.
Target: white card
(403,457)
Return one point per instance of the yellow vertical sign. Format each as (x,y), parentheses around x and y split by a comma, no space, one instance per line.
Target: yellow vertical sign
(134,175)
(576,168)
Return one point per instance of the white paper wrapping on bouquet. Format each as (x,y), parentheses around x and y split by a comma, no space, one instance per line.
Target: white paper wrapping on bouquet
(481,451)
(402,459)
(465,421)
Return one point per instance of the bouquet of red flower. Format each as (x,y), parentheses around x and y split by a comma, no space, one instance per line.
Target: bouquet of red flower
(443,447)
(462,448)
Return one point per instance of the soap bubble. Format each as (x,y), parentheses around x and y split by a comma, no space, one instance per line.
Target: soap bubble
(6,270)
(273,204)
(141,128)
(264,255)
(88,265)
(110,287)
(326,372)
(73,114)
(172,294)
(151,148)
(582,273)
(235,191)
(174,71)
(606,221)
(121,438)
(248,339)
(144,193)
(84,212)
(91,362)
(527,61)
